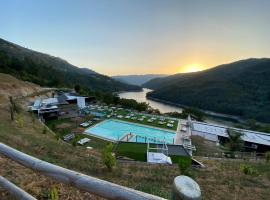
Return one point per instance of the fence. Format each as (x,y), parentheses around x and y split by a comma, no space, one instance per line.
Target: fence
(90,184)
(237,155)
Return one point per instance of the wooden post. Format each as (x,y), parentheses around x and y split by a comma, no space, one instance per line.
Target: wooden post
(83,182)
(15,191)
(11,112)
(185,188)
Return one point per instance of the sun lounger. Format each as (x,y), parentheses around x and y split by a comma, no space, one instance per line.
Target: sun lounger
(68,137)
(169,125)
(83,141)
(85,124)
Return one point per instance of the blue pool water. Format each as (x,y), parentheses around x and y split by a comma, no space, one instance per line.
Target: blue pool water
(115,130)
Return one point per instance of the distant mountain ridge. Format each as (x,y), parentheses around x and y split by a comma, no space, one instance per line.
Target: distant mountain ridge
(46,70)
(137,79)
(240,88)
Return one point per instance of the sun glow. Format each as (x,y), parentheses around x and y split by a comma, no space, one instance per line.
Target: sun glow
(192,68)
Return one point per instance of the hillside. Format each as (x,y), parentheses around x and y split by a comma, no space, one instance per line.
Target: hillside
(46,70)
(137,79)
(240,88)
(10,86)
(154,179)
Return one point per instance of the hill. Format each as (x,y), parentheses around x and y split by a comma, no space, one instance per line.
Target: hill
(240,88)
(10,86)
(46,70)
(31,138)
(137,79)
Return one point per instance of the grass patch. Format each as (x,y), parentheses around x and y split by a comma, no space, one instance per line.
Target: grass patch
(133,151)
(137,151)
(204,147)
(155,123)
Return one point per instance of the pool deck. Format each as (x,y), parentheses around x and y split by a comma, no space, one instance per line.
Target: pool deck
(183,137)
(178,137)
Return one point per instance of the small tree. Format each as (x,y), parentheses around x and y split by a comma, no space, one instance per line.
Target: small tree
(77,88)
(184,164)
(108,158)
(235,142)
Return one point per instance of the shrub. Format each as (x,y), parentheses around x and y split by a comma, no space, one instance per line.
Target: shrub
(184,164)
(108,158)
(267,156)
(33,119)
(74,143)
(54,194)
(20,120)
(53,127)
(248,170)
(44,131)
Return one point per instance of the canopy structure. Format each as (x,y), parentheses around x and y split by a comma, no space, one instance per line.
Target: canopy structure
(217,130)
(158,156)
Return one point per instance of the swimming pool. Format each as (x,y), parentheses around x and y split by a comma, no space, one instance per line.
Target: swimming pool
(115,130)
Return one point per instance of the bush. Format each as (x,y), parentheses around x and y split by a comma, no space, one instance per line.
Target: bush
(248,170)
(267,156)
(53,127)
(184,164)
(54,194)
(20,120)
(44,131)
(108,158)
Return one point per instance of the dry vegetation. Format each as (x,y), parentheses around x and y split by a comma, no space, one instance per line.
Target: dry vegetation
(37,184)
(10,86)
(221,179)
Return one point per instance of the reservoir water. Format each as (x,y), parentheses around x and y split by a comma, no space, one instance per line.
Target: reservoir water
(163,108)
(141,97)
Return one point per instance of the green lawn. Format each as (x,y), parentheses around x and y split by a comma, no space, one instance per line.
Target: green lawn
(155,123)
(132,150)
(137,151)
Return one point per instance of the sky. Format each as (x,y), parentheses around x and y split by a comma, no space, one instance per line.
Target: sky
(120,37)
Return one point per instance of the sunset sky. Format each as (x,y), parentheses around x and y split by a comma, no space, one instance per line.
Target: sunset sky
(140,36)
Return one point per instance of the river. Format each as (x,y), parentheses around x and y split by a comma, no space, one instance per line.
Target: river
(163,108)
(141,97)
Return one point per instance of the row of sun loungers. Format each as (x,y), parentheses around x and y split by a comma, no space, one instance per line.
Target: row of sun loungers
(70,136)
(133,116)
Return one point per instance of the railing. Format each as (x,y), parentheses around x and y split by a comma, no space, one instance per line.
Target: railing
(127,137)
(89,184)
(17,192)
(235,155)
